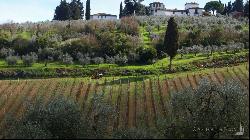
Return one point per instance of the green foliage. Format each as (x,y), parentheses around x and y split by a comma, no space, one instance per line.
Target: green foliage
(214,6)
(147,55)
(211,111)
(30,59)
(171,39)
(87,15)
(246,9)
(77,9)
(135,133)
(63,11)
(61,118)
(67,59)
(11,60)
(238,5)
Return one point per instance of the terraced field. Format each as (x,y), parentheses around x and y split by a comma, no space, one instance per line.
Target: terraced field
(136,102)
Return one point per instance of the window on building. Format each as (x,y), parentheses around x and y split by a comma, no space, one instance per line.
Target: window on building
(156,11)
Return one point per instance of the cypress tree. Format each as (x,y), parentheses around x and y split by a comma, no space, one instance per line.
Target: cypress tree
(87,10)
(229,8)
(171,40)
(246,9)
(121,10)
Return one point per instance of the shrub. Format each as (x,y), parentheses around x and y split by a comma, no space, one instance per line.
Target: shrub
(110,60)
(83,59)
(211,111)
(147,55)
(129,25)
(61,118)
(6,52)
(98,60)
(66,59)
(29,59)
(121,60)
(11,60)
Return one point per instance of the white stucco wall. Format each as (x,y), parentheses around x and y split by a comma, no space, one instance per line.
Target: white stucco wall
(191,5)
(104,17)
(192,12)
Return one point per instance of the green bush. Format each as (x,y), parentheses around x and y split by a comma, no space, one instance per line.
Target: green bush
(211,111)
(147,55)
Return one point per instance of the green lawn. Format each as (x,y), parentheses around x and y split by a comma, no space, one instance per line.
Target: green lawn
(178,61)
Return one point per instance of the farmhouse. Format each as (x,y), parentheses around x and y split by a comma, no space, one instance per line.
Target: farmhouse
(191,9)
(103,16)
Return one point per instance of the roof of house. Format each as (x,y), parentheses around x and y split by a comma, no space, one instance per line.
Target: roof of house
(191,3)
(103,14)
(156,3)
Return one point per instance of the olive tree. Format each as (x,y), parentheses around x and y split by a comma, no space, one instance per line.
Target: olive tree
(210,111)
(29,59)
(11,60)
(66,59)
(60,118)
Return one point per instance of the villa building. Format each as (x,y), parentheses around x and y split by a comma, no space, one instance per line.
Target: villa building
(103,16)
(191,9)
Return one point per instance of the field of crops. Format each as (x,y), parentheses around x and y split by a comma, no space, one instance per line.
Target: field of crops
(136,102)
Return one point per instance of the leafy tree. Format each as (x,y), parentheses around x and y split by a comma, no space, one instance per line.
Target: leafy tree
(134,7)
(87,14)
(129,8)
(29,59)
(67,59)
(214,6)
(77,9)
(140,9)
(121,60)
(238,5)
(211,111)
(46,55)
(171,40)
(83,59)
(98,60)
(6,52)
(11,60)
(147,55)
(63,11)
(60,118)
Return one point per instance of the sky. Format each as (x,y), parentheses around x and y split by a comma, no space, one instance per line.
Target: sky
(42,10)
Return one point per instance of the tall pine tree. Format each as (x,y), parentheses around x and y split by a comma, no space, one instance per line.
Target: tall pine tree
(171,40)
(87,15)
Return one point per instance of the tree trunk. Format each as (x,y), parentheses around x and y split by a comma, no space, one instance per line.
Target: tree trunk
(170,65)
(46,63)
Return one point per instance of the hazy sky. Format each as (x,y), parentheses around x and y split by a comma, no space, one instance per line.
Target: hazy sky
(40,10)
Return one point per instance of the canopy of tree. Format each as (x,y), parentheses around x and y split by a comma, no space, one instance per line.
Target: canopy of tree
(69,11)
(214,6)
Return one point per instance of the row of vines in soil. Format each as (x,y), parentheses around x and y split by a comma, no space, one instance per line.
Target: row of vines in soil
(136,103)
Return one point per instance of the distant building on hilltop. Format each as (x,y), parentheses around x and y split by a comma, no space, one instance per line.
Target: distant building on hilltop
(103,16)
(191,9)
